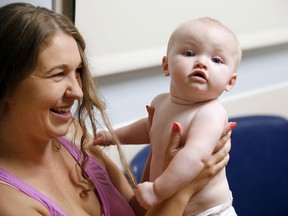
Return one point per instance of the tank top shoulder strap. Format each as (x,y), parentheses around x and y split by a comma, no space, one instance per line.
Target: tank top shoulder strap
(74,151)
(13,181)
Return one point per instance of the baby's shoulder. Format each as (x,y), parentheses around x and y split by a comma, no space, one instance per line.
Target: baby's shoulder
(213,107)
(160,98)
(216,104)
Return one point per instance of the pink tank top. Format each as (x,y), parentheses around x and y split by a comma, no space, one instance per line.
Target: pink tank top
(113,203)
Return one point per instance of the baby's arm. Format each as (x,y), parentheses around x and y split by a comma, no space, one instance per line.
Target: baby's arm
(202,137)
(135,133)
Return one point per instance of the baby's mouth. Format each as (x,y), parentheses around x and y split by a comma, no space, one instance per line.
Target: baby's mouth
(198,73)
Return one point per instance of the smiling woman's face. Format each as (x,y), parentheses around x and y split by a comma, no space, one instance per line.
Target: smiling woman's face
(40,106)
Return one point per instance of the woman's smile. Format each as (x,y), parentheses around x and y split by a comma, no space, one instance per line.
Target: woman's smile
(63,113)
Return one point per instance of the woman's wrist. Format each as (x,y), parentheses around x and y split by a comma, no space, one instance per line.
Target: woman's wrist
(139,210)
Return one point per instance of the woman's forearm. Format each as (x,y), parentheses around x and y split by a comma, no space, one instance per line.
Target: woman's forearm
(174,205)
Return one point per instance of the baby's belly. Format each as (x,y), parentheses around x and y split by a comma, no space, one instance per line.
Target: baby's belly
(216,192)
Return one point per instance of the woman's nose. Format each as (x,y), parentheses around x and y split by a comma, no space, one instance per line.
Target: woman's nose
(75,89)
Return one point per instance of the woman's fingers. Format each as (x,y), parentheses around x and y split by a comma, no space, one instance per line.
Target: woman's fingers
(175,138)
(174,143)
(150,111)
(225,135)
(220,158)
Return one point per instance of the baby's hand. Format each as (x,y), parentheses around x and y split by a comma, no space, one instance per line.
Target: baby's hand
(146,196)
(103,138)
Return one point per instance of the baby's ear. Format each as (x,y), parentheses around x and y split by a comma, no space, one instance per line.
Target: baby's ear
(165,70)
(231,82)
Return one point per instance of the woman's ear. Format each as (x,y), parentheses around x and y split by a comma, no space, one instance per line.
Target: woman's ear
(165,70)
(231,82)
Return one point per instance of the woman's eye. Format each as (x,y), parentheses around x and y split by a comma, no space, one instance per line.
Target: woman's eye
(189,53)
(59,74)
(79,72)
(217,60)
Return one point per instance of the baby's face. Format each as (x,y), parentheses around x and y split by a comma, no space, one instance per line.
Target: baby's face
(202,61)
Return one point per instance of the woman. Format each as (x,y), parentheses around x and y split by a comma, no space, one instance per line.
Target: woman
(48,165)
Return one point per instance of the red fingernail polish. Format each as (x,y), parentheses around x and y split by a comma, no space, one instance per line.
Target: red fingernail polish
(233,125)
(175,127)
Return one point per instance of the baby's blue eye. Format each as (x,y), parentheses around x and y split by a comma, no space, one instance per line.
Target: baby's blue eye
(189,53)
(217,60)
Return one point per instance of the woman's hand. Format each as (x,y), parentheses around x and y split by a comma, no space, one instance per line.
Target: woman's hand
(215,164)
(150,111)
(220,155)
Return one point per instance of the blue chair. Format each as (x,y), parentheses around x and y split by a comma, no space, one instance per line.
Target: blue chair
(258,168)
(137,164)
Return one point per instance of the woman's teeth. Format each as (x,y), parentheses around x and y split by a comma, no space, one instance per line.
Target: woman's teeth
(61,109)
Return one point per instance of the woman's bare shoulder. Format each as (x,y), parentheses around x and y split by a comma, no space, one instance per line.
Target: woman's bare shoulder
(13,202)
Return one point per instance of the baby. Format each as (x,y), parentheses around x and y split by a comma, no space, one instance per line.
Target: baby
(202,60)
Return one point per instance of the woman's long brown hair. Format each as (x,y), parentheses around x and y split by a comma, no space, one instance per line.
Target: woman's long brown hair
(25,31)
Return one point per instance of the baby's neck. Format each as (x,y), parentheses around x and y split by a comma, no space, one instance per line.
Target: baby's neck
(182,101)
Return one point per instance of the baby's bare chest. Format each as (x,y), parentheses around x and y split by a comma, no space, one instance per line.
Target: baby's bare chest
(163,120)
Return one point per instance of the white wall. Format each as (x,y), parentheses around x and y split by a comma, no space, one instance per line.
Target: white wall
(129,34)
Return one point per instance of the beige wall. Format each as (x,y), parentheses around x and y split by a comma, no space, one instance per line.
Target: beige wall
(272,100)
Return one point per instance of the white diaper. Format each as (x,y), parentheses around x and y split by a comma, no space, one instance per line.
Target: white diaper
(220,210)
(225,209)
